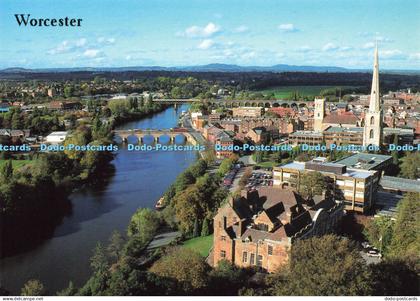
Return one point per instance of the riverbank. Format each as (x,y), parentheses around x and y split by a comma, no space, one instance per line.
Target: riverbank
(97,210)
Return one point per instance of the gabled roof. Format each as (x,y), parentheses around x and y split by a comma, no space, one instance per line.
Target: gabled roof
(347,118)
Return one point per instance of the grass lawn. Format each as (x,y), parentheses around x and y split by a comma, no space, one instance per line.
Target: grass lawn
(16,163)
(201,245)
(285,92)
(266,164)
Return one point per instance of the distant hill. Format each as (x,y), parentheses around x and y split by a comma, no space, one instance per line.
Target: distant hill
(208,68)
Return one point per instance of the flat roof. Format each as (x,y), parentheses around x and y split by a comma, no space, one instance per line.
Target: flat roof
(354,173)
(400,184)
(306,133)
(400,131)
(364,161)
(295,165)
(344,129)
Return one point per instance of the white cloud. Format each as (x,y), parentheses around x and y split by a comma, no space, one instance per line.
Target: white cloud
(63,47)
(241,29)
(384,39)
(304,49)
(105,41)
(369,45)
(248,55)
(91,53)
(201,32)
(81,42)
(329,47)
(206,44)
(346,48)
(289,27)
(415,56)
(394,54)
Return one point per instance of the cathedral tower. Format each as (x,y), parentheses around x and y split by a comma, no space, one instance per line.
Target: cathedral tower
(319,113)
(372,134)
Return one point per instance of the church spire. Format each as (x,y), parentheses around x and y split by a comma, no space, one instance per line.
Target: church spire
(375,104)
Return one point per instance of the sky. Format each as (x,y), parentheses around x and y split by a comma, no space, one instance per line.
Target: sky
(197,32)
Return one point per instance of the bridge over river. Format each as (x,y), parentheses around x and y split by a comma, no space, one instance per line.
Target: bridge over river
(156,134)
(228,103)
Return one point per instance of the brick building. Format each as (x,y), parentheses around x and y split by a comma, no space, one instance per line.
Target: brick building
(247,112)
(259,227)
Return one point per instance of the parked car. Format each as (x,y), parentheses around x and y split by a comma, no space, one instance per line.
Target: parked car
(366,245)
(374,254)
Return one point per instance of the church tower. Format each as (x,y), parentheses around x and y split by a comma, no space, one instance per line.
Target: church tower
(372,134)
(319,114)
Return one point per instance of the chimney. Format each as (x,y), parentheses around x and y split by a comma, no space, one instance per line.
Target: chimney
(241,227)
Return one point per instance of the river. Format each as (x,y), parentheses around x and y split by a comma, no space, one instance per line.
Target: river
(139,180)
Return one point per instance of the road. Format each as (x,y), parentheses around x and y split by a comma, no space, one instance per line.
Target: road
(235,184)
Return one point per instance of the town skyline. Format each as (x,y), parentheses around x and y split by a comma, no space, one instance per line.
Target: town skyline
(188,34)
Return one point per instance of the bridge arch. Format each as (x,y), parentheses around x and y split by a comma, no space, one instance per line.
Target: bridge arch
(180,139)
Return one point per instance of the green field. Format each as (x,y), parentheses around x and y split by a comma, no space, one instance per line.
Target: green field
(16,163)
(286,92)
(268,164)
(201,245)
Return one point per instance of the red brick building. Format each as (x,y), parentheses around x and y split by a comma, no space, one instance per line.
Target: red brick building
(258,228)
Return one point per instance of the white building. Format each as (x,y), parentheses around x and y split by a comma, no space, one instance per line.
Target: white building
(56,137)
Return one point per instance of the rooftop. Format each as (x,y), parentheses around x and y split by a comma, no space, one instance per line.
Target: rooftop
(344,129)
(399,131)
(354,173)
(364,161)
(307,133)
(401,184)
(58,134)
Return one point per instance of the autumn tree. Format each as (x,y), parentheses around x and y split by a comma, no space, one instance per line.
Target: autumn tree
(410,166)
(379,232)
(311,184)
(33,288)
(144,224)
(406,236)
(323,266)
(187,207)
(187,267)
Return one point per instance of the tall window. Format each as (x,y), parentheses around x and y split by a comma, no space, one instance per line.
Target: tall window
(371,134)
(244,256)
(270,250)
(222,253)
(259,260)
(223,238)
(372,120)
(252,258)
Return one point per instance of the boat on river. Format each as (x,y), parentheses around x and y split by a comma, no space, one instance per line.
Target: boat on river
(160,204)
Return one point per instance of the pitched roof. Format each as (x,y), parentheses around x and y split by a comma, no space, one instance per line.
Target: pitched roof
(347,118)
